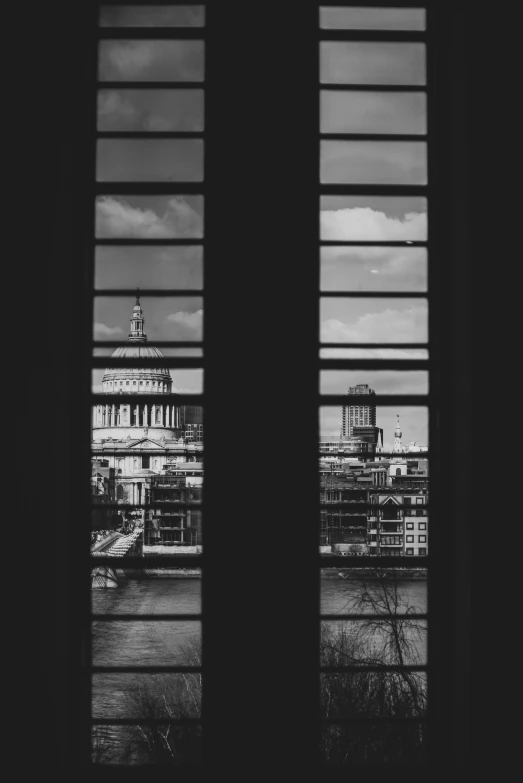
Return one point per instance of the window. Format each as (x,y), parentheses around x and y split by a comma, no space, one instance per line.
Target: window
(422,525)
(273,359)
(409,551)
(422,539)
(410,526)
(422,551)
(410,539)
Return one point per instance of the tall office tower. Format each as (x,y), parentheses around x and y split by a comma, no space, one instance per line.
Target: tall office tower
(358,415)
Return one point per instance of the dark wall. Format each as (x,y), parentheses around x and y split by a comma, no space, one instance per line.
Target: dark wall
(51,272)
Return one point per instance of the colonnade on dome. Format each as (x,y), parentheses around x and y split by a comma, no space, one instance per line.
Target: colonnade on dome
(138,415)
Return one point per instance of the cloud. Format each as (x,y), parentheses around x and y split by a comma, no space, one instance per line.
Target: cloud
(129,58)
(190,321)
(116,218)
(398,326)
(357,268)
(115,109)
(373,353)
(155,122)
(107,331)
(366,224)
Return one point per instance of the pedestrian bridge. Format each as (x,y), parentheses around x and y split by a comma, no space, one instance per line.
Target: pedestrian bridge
(119,546)
(106,577)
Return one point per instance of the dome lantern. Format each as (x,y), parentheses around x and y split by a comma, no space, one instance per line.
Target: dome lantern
(137,335)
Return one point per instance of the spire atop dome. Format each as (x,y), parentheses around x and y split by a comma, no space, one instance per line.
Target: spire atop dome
(137,335)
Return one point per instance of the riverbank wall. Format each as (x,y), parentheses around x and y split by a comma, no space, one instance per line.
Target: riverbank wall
(373,573)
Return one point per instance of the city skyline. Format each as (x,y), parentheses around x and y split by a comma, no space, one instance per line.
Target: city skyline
(112,317)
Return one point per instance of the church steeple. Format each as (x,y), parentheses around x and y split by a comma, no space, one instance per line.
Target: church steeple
(397,436)
(137,335)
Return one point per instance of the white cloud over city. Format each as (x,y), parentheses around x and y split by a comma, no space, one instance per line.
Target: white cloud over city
(366,224)
(102,330)
(390,325)
(116,217)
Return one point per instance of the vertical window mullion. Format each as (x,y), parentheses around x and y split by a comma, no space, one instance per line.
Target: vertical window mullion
(261,342)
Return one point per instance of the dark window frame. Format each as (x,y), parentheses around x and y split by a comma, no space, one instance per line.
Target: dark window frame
(72,285)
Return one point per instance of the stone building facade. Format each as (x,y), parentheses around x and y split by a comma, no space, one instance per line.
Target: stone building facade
(140,441)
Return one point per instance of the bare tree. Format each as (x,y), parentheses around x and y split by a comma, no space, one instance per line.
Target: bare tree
(391,636)
(168,696)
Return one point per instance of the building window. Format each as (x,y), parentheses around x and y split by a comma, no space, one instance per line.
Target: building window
(410,539)
(422,551)
(218,551)
(422,539)
(410,525)
(409,551)
(422,526)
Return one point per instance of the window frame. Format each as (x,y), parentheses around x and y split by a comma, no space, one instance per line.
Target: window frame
(76,378)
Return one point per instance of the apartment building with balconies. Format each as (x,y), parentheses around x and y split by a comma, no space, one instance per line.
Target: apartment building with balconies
(398,522)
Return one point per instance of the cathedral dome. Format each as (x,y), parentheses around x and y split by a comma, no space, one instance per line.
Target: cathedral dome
(139,380)
(129,422)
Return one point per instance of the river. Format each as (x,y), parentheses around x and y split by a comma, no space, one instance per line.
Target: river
(146,643)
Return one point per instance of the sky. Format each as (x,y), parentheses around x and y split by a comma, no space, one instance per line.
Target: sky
(332,18)
(342,218)
(155,16)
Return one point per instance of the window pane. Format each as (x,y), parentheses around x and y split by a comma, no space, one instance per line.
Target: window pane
(386,639)
(144,744)
(149,217)
(133,695)
(171,591)
(161,318)
(382,381)
(152,16)
(374,744)
(373,218)
(373,112)
(149,160)
(374,353)
(413,422)
(144,61)
(149,267)
(339,18)
(373,268)
(341,591)
(357,62)
(185,381)
(345,320)
(159,643)
(174,352)
(374,162)
(150,110)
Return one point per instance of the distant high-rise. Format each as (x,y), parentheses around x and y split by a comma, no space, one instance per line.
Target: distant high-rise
(358,415)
